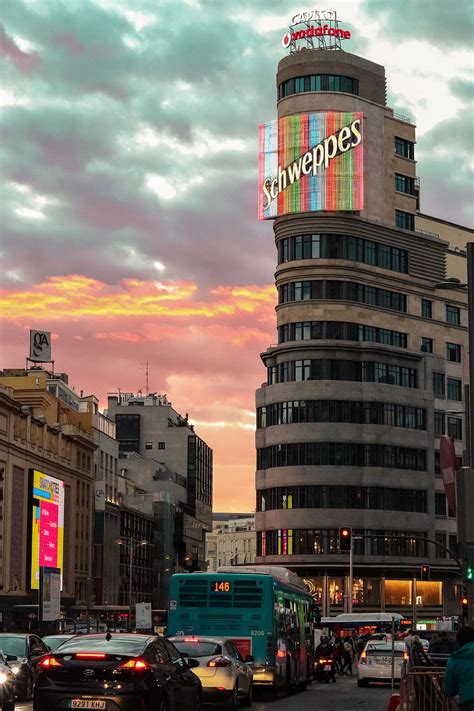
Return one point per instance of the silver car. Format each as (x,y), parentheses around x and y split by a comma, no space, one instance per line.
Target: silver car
(226,678)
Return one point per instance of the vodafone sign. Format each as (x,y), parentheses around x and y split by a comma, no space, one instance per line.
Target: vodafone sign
(314,29)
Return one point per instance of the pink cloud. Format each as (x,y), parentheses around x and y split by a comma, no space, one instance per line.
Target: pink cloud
(24,62)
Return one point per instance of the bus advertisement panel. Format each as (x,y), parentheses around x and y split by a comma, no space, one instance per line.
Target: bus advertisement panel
(47,525)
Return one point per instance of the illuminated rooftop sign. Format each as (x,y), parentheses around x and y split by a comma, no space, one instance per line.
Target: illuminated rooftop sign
(311,162)
(314,29)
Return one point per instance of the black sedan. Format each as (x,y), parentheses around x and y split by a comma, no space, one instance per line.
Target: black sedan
(24,652)
(123,672)
(7,685)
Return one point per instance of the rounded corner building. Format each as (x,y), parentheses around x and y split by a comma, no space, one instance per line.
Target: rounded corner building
(346,419)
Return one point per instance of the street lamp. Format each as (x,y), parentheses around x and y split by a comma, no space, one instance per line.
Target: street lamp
(132,544)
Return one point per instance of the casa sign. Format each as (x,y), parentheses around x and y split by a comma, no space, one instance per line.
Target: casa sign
(40,346)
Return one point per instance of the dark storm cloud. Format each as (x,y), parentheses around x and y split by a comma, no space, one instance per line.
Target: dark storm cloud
(444,24)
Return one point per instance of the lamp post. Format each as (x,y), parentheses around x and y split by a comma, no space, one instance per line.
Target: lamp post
(132,544)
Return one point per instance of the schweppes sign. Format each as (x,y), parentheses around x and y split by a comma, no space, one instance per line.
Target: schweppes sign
(311,162)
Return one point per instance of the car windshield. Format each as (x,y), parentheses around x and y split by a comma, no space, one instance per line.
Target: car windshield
(14,646)
(198,649)
(118,644)
(54,642)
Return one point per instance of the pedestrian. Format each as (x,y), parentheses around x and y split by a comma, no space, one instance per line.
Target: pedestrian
(337,655)
(409,639)
(347,656)
(459,677)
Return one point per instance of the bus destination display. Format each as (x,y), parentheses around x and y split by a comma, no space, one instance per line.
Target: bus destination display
(220,586)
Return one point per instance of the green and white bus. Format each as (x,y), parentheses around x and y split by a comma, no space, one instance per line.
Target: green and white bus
(265,610)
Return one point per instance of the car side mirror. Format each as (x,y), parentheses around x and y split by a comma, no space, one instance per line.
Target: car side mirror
(249,658)
(192,663)
(11,658)
(184,655)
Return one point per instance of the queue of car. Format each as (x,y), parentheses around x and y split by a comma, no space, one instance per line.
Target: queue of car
(132,670)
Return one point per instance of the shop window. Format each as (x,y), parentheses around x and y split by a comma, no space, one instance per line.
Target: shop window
(366,591)
(429,593)
(336,591)
(398,592)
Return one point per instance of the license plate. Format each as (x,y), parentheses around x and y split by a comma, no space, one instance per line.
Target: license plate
(383,660)
(327,667)
(87,704)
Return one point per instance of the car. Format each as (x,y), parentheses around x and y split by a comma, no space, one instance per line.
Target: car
(375,662)
(53,641)
(226,677)
(117,671)
(7,685)
(23,652)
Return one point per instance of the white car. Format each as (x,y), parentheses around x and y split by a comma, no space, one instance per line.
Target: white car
(375,663)
(226,678)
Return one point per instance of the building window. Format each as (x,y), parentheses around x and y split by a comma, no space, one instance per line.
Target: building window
(404,148)
(439,423)
(404,184)
(161,445)
(340,246)
(454,389)
(453,315)
(427,345)
(340,331)
(356,371)
(318,82)
(438,384)
(404,220)
(453,352)
(342,290)
(440,504)
(148,445)
(426,308)
(455,427)
(441,541)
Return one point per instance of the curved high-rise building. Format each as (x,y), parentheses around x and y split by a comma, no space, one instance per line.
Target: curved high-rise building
(369,359)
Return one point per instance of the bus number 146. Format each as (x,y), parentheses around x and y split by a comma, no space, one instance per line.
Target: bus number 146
(223,586)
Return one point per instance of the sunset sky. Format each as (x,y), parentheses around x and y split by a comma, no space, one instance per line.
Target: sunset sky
(129,191)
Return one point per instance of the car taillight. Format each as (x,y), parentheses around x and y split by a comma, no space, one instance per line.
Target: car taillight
(363,658)
(48,662)
(89,655)
(219,662)
(325,661)
(281,653)
(135,664)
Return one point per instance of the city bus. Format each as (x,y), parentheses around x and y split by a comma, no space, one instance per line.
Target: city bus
(265,610)
(363,623)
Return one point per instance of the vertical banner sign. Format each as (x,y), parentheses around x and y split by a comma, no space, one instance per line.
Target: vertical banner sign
(47,525)
(50,594)
(40,346)
(143,615)
(311,162)
(99,495)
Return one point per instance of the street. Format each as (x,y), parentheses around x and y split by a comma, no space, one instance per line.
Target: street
(342,696)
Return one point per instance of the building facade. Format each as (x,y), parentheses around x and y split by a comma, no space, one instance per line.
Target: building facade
(369,367)
(232,540)
(161,452)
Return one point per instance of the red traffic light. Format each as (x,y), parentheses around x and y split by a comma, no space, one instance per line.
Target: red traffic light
(344,532)
(464,601)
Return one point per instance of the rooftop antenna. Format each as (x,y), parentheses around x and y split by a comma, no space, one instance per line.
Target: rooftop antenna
(145,365)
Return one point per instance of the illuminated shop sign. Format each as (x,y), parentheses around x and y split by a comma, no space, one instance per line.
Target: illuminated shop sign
(311,162)
(47,525)
(315,29)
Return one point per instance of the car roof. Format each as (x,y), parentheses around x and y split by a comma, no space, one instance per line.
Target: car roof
(198,638)
(17,634)
(116,635)
(379,644)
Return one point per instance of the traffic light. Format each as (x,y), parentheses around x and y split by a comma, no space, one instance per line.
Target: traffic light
(345,536)
(469,572)
(464,607)
(425,572)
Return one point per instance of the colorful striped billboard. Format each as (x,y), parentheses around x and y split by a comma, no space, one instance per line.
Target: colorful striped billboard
(311,162)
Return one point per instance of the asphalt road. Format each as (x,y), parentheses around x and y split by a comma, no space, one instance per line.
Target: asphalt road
(342,696)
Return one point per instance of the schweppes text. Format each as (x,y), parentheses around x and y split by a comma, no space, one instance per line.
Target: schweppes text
(309,163)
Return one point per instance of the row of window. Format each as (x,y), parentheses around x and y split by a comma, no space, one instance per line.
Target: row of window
(149,445)
(340,331)
(447,387)
(350,411)
(329,246)
(325,541)
(318,82)
(334,369)
(341,290)
(454,428)
(453,313)
(342,497)
(347,454)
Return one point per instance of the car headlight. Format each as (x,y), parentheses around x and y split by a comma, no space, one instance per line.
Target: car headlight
(3,678)
(15,669)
